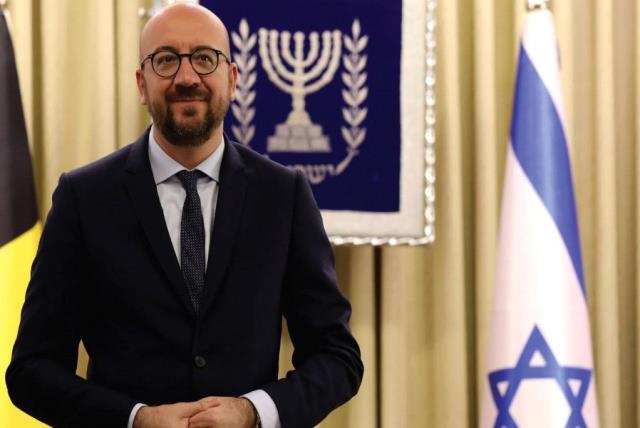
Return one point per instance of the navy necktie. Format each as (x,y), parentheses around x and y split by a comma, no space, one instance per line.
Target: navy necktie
(192,238)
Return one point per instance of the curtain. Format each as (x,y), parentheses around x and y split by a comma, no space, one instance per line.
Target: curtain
(421,315)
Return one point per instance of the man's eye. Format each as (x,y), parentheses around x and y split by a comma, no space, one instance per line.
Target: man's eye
(165,59)
(204,58)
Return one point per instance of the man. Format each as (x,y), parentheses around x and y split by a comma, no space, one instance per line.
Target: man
(173,260)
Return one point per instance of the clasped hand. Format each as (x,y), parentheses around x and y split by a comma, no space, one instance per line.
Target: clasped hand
(209,412)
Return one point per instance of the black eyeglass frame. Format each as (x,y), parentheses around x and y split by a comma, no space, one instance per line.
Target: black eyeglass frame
(152,55)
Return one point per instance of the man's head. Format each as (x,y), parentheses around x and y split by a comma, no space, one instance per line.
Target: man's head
(186,107)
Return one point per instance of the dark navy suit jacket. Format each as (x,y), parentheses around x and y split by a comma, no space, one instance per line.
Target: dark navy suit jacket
(106,273)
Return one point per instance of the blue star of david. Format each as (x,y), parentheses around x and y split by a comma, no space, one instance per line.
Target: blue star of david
(550,370)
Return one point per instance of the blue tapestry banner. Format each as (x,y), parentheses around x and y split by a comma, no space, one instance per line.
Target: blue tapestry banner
(320,89)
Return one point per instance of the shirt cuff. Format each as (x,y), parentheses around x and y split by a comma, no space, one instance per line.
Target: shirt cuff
(134,412)
(266,408)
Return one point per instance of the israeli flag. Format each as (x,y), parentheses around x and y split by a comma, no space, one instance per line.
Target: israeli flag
(540,365)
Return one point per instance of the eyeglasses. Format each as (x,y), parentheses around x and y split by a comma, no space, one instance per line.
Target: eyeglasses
(166,63)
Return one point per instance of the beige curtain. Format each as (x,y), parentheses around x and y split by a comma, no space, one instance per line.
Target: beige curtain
(421,314)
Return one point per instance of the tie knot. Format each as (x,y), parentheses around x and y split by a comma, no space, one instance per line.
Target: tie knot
(189,179)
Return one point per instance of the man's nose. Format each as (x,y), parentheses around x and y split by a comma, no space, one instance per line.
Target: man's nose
(186,75)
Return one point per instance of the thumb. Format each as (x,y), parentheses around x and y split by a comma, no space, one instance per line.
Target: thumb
(191,408)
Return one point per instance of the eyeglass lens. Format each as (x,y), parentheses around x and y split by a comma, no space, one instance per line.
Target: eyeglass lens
(167,63)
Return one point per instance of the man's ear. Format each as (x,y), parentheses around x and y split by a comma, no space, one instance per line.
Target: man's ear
(233,78)
(141,86)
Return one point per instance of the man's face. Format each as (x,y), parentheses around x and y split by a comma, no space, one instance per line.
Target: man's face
(187,107)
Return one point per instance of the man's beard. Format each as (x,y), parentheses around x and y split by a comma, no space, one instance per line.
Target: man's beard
(194,132)
(189,134)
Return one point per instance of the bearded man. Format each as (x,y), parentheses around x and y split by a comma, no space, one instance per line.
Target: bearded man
(174,260)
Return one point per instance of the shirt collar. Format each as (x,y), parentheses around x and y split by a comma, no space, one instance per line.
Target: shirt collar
(164,166)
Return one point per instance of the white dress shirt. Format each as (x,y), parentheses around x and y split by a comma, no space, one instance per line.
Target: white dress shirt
(172,196)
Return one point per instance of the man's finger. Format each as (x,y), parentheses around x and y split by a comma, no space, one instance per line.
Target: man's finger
(208,402)
(190,409)
(202,419)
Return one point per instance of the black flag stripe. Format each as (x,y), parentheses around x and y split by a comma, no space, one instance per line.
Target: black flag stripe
(18,212)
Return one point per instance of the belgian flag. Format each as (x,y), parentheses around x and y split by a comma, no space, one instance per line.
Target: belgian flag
(19,223)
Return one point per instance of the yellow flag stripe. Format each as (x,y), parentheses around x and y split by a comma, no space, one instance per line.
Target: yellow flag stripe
(15,264)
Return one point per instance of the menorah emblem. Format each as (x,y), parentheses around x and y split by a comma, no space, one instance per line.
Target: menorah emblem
(300,77)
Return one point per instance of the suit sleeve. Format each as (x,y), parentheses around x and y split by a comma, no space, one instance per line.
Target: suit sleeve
(41,378)
(328,368)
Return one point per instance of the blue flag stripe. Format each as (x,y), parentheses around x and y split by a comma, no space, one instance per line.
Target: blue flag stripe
(539,143)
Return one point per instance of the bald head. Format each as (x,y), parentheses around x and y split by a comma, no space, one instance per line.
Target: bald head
(164,29)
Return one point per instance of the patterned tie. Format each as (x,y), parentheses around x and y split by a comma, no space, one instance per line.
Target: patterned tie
(192,238)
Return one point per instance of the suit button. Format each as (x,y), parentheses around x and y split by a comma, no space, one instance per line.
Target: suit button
(200,361)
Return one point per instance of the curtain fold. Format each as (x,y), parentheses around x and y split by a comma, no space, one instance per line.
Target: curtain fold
(635,285)
(421,315)
(606,301)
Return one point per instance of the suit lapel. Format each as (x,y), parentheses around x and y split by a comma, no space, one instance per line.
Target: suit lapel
(233,184)
(144,197)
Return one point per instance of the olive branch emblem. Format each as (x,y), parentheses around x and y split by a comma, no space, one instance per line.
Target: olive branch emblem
(242,108)
(354,94)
